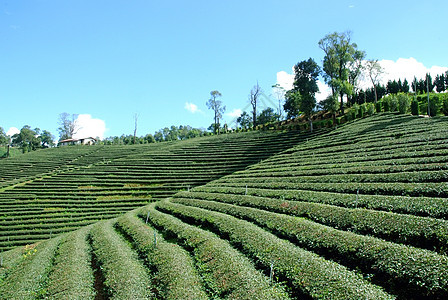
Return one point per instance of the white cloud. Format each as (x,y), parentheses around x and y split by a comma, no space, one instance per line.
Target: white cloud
(285,80)
(235,113)
(13,130)
(324,91)
(407,68)
(89,127)
(191,107)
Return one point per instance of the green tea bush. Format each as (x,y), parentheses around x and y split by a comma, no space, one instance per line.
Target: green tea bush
(125,276)
(305,270)
(176,273)
(225,271)
(351,248)
(72,277)
(418,231)
(28,279)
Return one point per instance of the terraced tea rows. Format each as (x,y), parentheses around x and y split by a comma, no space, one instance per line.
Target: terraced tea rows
(103,182)
(357,213)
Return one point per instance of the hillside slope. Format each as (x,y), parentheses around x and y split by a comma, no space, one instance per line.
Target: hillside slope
(356,213)
(58,190)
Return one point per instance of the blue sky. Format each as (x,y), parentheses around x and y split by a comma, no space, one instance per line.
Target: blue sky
(112,59)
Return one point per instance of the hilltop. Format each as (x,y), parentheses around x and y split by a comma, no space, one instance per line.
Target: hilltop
(355,212)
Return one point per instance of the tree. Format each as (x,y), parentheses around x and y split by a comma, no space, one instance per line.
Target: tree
(355,70)
(27,139)
(428,84)
(255,93)
(47,139)
(280,95)
(268,115)
(330,104)
(374,72)
(216,105)
(68,126)
(439,82)
(405,86)
(340,52)
(292,104)
(135,127)
(4,140)
(244,120)
(305,83)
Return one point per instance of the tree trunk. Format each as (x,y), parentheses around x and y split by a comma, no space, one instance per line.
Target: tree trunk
(376,95)
(342,103)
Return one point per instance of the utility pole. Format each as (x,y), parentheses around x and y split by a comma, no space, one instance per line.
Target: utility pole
(427,91)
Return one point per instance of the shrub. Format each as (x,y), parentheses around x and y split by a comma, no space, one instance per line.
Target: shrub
(445,106)
(403,103)
(378,107)
(329,123)
(370,110)
(362,110)
(433,105)
(393,103)
(415,107)
(386,104)
(338,121)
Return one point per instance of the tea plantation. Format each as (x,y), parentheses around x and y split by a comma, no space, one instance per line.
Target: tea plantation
(358,212)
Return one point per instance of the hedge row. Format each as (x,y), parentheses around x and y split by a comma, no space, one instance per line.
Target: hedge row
(305,271)
(125,276)
(415,189)
(299,177)
(176,274)
(423,271)
(421,232)
(72,276)
(225,272)
(27,280)
(420,206)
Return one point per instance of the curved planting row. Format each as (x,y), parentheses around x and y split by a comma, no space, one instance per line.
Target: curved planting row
(357,213)
(102,182)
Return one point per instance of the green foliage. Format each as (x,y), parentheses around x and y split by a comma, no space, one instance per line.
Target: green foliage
(352,248)
(218,108)
(386,104)
(125,277)
(393,103)
(415,107)
(306,271)
(225,271)
(370,109)
(445,106)
(378,106)
(434,105)
(176,274)
(245,120)
(72,276)
(27,280)
(266,116)
(403,103)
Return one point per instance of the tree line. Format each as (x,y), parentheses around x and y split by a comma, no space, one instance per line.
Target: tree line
(343,68)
